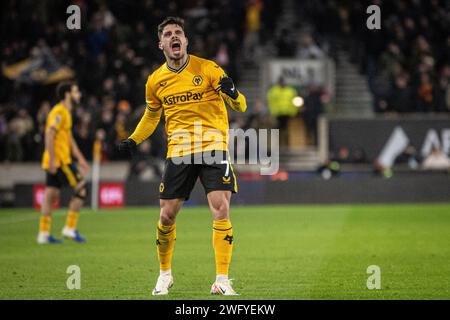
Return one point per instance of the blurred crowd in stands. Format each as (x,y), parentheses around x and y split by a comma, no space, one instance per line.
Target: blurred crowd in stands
(111,56)
(406,62)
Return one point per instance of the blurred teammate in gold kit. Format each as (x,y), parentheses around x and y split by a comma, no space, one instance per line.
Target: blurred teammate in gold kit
(58,165)
(192,92)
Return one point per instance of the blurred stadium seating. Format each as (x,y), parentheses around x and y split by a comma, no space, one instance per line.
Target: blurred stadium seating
(344,71)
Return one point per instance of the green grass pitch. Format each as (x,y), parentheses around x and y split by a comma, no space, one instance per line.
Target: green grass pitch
(281,252)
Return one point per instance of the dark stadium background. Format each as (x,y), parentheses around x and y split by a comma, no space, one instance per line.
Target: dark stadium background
(399,72)
(364,164)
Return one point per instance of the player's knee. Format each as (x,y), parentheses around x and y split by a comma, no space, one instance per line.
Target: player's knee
(51,196)
(168,213)
(167,218)
(220,209)
(53,193)
(80,190)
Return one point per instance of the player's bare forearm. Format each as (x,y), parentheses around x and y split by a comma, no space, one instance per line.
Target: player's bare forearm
(146,125)
(76,151)
(239,104)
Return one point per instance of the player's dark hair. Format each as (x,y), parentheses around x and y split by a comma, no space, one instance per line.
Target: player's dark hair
(64,87)
(170,20)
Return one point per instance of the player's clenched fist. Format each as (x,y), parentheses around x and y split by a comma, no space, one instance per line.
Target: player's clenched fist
(227,87)
(127,146)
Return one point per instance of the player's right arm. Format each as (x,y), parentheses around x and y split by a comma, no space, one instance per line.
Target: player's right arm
(149,120)
(146,125)
(152,115)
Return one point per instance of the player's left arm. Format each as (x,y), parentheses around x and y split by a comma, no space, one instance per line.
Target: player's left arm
(226,88)
(77,153)
(229,92)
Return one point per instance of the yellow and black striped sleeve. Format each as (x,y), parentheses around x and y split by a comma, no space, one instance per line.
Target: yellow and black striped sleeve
(146,125)
(152,101)
(215,73)
(151,117)
(238,104)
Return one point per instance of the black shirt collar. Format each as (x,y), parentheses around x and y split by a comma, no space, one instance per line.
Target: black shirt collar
(181,68)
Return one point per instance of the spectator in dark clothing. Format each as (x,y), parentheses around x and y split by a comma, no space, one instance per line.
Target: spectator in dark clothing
(312,109)
(425,93)
(286,46)
(400,97)
(441,95)
(414,39)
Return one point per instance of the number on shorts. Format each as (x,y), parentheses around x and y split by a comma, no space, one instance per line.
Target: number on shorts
(227,170)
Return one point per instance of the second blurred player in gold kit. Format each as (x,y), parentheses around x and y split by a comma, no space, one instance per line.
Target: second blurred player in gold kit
(191,91)
(60,170)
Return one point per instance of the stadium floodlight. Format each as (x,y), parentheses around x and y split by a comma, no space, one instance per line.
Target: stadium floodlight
(298,101)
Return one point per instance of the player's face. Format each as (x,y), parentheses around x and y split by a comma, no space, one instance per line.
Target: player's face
(75,94)
(173,42)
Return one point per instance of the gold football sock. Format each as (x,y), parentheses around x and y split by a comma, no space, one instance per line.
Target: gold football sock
(223,245)
(165,243)
(72,219)
(45,223)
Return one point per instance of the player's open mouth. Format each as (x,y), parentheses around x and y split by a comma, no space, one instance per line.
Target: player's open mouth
(176,47)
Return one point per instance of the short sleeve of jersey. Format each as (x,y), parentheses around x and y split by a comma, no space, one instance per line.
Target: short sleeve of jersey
(55,119)
(152,101)
(215,73)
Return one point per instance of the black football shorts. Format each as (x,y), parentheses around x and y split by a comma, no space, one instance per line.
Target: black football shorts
(66,175)
(179,177)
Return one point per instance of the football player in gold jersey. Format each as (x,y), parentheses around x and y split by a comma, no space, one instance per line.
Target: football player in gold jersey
(192,93)
(57,163)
